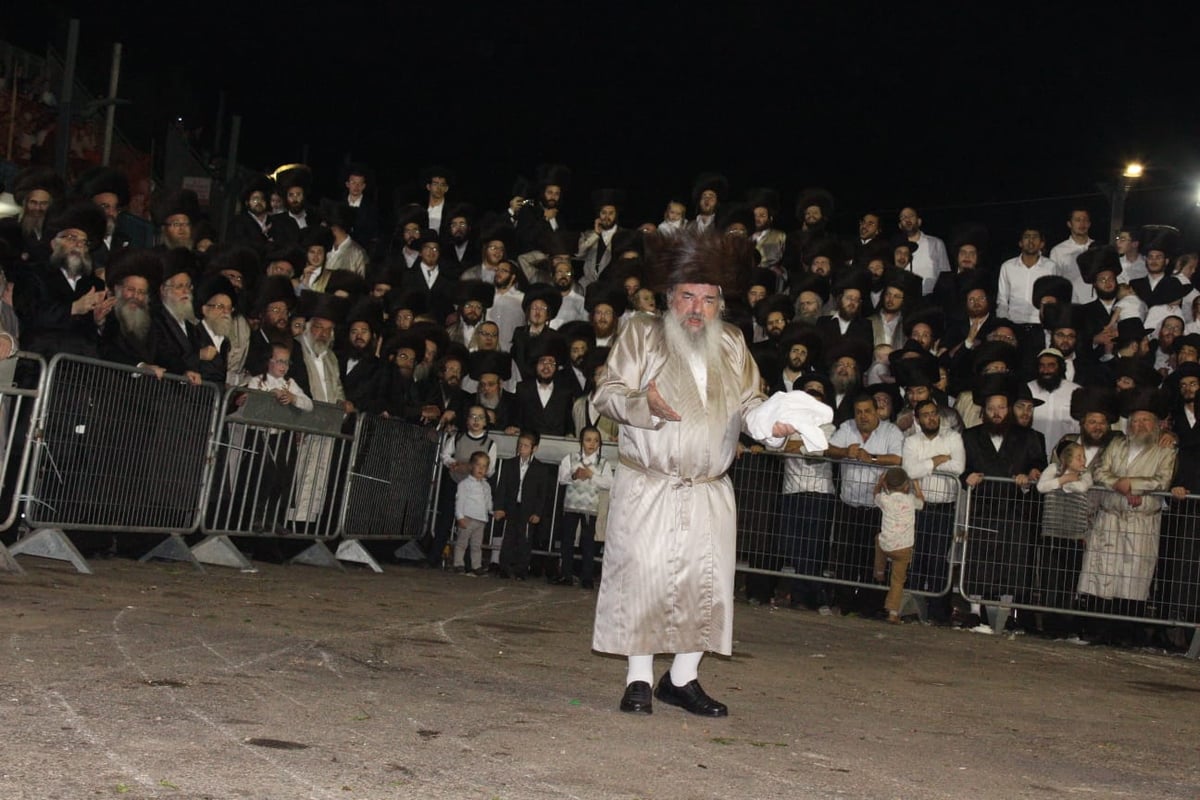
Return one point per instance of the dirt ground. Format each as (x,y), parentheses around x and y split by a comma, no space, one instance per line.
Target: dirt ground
(155,681)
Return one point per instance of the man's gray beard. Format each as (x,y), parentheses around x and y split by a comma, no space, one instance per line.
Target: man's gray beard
(842,385)
(682,342)
(319,348)
(134,319)
(1144,439)
(76,264)
(31,224)
(181,309)
(809,318)
(221,326)
(491,404)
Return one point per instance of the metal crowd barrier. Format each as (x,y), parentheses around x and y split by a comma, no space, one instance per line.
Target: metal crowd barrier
(1023,552)
(814,520)
(22,385)
(116,450)
(391,486)
(277,472)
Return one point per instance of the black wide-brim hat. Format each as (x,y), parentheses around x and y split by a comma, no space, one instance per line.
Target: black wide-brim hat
(1093,261)
(80,215)
(477,291)
(493,362)
(103,180)
(1005,384)
(931,316)
(775,302)
(1093,399)
(146,263)
(548,294)
(604,294)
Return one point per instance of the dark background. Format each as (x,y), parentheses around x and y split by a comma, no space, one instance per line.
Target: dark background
(979,111)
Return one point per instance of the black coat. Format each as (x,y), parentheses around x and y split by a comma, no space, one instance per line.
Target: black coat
(554,419)
(362,384)
(537,490)
(831,332)
(213,371)
(119,348)
(440,296)
(174,347)
(1021,450)
(284,230)
(245,230)
(42,298)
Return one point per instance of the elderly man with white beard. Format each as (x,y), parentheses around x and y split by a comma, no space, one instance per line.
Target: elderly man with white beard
(1122,544)
(60,303)
(125,338)
(323,312)
(682,387)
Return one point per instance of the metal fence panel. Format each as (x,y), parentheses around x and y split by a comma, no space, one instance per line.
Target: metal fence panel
(22,387)
(815,519)
(390,484)
(119,450)
(277,470)
(1024,553)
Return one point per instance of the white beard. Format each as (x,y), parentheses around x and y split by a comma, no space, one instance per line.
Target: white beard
(682,342)
(181,309)
(134,319)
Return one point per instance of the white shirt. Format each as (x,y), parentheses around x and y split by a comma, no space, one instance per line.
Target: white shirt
(1064,255)
(808,475)
(1014,294)
(1053,418)
(1131,270)
(435,216)
(572,309)
(858,479)
(919,450)
(429,274)
(929,260)
(269,383)
(216,340)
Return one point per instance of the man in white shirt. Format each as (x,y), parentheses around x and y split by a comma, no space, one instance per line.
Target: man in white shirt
(707,192)
(1133,265)
(1079,222)
(437,180)
(929,259)
(867,445)
(1053,418)
(563,277)
(507,311)
(934,457)
(1014,292)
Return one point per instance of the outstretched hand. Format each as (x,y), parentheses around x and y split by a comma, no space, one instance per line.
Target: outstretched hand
(658,406)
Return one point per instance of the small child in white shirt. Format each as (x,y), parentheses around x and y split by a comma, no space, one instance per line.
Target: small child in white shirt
(900,499)
(1128,305)
(472,509)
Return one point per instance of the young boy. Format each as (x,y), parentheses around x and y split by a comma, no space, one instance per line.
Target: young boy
(472,508)
(896,534)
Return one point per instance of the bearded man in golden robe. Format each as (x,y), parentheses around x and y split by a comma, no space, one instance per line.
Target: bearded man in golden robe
(681,386)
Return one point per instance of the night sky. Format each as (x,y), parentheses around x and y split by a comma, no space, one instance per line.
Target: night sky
(958,112)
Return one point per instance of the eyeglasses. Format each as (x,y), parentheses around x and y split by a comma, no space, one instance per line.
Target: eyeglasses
(220,308)
(476,416)
(177,224)
(179,287)
(74,238)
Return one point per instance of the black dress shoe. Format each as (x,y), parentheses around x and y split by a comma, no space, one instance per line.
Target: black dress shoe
(636,699)
(690,698)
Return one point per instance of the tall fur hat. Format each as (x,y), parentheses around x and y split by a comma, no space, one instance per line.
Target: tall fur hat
(691,257)
(83,215)
(103,180)
(37,177)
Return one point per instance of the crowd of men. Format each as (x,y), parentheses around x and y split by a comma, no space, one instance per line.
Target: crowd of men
(440,304)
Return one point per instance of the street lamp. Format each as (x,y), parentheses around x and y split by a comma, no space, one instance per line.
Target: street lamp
(1132,172)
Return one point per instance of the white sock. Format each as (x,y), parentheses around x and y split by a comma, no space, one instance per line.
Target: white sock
(641,668)
(685,668)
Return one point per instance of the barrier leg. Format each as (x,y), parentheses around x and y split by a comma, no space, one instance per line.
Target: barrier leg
(1000,613)
(220,551)
(410,551)
(913,604)
(352,550)
(1194,650)
(51,543)
(8,563)
(317,555)
(173,548)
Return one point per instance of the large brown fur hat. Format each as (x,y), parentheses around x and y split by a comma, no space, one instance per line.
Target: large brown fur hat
(689,256)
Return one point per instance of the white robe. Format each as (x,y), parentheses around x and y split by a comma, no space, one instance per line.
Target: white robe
(1122,547)
(669,554)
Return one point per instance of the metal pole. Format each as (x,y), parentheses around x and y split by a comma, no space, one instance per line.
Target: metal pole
(1117,220)
(63,135)
(12,116)
(110,114)
(235,132)
(220,128)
